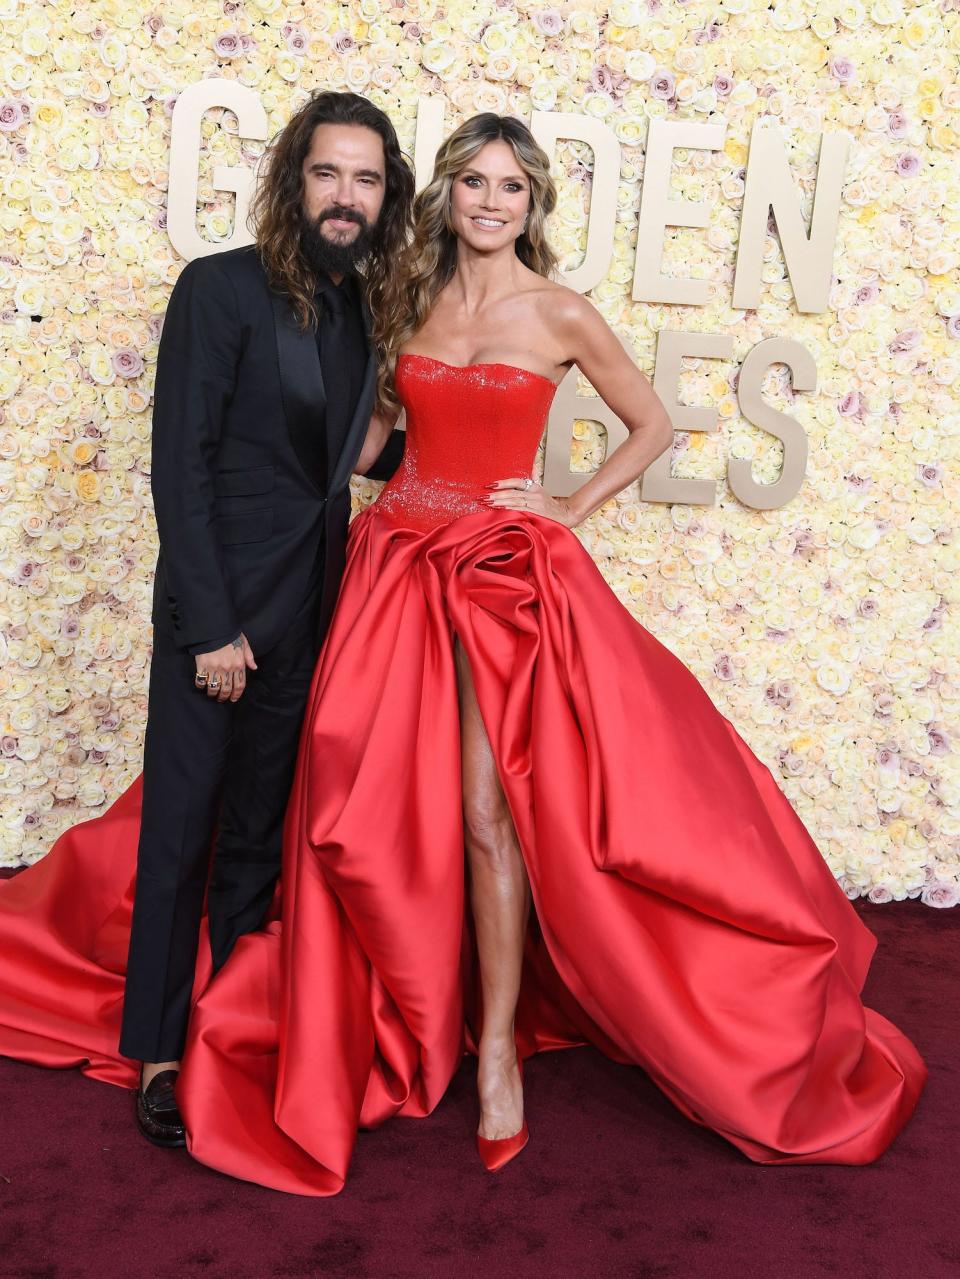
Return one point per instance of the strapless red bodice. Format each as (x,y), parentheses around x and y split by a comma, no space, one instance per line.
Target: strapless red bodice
(467,426)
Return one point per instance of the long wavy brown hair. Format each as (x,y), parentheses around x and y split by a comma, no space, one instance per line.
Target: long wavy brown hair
(429,262)
(276,212)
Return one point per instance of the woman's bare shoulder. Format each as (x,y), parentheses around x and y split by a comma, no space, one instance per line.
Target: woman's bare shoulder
(561,308)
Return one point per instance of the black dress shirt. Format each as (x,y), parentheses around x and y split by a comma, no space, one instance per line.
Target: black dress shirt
(342,347)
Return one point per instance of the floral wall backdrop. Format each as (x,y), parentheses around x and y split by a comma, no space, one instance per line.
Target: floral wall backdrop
(825,630)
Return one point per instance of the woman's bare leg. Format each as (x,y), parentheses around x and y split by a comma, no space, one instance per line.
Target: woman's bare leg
(500,898)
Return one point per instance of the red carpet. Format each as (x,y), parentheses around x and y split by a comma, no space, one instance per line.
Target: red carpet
(614,1182)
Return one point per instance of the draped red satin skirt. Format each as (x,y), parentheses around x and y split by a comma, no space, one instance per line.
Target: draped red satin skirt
(683,918)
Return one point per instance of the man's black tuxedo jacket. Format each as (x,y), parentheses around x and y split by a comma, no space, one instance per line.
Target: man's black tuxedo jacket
(239,466)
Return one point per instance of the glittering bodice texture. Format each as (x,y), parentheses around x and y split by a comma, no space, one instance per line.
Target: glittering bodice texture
(466,427)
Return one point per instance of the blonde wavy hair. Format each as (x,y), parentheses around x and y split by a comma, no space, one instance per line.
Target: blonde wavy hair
(430,260)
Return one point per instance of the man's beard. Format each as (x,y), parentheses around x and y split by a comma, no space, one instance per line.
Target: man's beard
(333,257)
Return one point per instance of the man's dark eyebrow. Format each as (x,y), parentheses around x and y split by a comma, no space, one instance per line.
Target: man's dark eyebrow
(335,168)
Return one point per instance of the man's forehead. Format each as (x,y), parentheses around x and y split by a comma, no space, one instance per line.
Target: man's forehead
(346,143)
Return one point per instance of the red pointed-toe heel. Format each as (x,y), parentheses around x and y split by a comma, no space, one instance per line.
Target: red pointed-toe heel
(494,1152)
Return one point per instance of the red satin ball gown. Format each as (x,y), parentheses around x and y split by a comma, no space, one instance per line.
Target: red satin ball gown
(683,917)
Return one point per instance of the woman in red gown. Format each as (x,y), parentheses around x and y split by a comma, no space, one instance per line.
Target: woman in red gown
(683,919)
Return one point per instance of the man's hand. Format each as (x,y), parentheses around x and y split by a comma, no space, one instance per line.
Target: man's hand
(226,669)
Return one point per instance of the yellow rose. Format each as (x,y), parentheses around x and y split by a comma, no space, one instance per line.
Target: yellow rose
(87,485)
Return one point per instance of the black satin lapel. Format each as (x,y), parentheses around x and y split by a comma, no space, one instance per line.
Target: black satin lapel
(302,389)
(357,432)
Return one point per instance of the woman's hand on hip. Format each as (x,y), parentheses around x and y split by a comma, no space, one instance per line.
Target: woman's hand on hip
(524,494)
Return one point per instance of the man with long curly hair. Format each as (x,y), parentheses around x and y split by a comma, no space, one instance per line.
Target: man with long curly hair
(266,385)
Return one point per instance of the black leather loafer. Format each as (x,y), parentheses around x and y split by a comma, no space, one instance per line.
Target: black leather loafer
(158,1117)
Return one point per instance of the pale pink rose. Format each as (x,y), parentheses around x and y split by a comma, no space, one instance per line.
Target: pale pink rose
(153,22)
(228,45)
(412,31)
(723,85)
(31,821)
(883,702)
(8,745)
(930,474)
(879,895)
(804,545)
(897,124)
(907,340)
(24,573)
(888,760)
(549,21)
(69,628)
(908,164)
(912,767)
(662,83)
(780,694)
(842,70)
(939,741)
(296,38)
(99,108)
(849,406)
(723,668)
(792,763)
(603,80)
(953,326)
(868,606)
(11,114)
(941,895)
(127,362)
(343,42)
(867,293)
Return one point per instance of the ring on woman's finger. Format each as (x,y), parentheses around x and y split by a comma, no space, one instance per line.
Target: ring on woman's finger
(200,679)
(528,483)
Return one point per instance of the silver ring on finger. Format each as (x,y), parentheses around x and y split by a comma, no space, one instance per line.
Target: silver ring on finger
(528,483)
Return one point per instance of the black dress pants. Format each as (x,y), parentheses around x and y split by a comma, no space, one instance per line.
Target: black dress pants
(209,765)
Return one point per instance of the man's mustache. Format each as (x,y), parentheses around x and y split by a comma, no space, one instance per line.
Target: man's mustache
(342,215)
